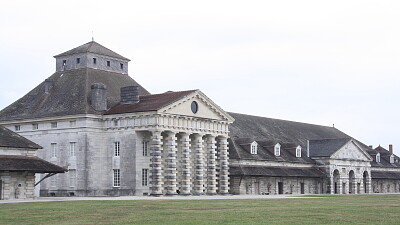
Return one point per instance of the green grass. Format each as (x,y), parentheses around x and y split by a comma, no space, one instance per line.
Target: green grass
(350,209)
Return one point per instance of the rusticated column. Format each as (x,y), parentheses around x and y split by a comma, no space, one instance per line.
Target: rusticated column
(186,185)
(156,164)
(170,162)
(211,167)
(198,165)
(224,166)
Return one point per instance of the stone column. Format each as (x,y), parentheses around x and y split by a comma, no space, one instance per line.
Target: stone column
(211,168)
(224,166)
(170,162)
(198,165)
(331,185)
(186,185)
(156,164)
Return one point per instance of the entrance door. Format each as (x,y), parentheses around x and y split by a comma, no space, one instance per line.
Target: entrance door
(1,189)
(336,190)
(280,188)
(301,188)
(257,188)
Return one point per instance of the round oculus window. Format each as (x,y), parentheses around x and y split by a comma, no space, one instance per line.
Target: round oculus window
(194,106)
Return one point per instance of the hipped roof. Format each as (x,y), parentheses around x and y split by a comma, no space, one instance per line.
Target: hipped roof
(16,163)
(10,139)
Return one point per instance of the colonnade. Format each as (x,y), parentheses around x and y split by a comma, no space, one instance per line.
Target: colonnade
(194,164)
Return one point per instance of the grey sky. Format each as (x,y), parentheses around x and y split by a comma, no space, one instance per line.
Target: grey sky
(310,61)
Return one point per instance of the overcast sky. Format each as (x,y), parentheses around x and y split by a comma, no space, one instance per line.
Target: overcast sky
(320,62)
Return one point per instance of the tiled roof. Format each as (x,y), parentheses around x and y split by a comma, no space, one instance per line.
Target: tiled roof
(275,171)
(385,175)
(11,139)
(92,47)
(385,158)
(150,102)
(326,147)
(24,163)
(267,132)
(70,95)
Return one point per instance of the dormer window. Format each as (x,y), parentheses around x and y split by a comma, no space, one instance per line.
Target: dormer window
(94,60)
(121,66)
(78,60)
(108,63)
(392,159)
(378,157)
(64,62)
(298,151)
(253,148)
(277,149)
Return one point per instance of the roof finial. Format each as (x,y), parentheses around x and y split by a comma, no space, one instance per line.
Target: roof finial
(92,36)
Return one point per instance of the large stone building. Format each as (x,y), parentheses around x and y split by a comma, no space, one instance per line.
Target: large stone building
(116,138)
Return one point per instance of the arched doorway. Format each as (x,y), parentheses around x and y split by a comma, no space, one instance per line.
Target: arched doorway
(365,182)
(352,185)
(336,181)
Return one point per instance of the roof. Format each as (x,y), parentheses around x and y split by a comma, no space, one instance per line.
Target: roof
(326,147)
(385,175)
(11,139)
(92,47)
(150,102)
(70,95)
(269,130)
(384,158)
(25,163)
(275,171)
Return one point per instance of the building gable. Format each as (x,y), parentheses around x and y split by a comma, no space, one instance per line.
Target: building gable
(196,104)
(351,151)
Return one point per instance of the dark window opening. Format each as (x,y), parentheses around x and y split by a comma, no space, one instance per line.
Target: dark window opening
(94,60)
(64,62)
(108,63)
(122,66)
(78,60)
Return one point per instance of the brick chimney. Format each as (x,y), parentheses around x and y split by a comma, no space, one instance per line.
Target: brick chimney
(129,95)
(391,149)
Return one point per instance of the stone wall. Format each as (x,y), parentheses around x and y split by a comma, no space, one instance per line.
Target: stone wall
(17,185)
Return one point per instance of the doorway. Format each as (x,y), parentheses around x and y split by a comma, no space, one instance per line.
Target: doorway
(1,189)
(280,188)
(301,188)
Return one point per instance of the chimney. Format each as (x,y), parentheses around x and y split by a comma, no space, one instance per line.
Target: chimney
(48,84)
(371,146)
(129,95)
(391,149)
(99,96)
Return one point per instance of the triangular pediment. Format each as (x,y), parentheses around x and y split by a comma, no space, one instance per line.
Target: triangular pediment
(205,108)
(351,151)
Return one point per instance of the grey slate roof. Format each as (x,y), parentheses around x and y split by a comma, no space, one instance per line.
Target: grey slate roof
(385,175)
(326,147)
(25,163)
(272,131)
(11,139)
(385,158)
(92,47)
(275,171)
(70,95)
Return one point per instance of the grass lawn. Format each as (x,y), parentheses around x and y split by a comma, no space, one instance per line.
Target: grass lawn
(349,209)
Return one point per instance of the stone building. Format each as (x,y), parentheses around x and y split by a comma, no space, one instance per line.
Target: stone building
(116,138)
(18,166)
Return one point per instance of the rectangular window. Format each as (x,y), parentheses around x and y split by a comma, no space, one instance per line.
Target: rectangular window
(108,63)
(53,150)
(115,123)
(94,60)
(116,148)
(121,65)
(53,124)
(72,178)
(78,60)
(116,178)
(35,126)
(17,127)
(72,146)
(53,181)
(145,148)
(72,123)
(64,62)
(145,177)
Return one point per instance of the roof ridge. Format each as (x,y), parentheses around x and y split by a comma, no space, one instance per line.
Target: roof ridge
(168,92)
